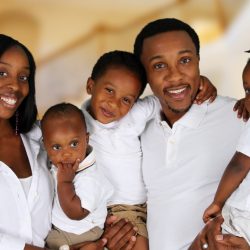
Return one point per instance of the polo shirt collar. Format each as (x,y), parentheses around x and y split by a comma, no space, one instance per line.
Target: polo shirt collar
(193,117)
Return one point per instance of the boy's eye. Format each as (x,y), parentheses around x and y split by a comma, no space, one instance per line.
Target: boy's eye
(3,74)
(185,60)
(109,90)
(126,100)
(247,91)
(159,65)
(56,147)
(74,144)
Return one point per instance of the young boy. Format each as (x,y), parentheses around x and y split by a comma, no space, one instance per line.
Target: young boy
(115,118)
(80,203)
(233,197)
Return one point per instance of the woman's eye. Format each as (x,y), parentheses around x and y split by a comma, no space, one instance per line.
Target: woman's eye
(24,78)
(3,74)
(56,147)
(74,144)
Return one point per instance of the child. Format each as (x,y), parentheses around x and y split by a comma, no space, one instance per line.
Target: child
(80,204)
(117,81)
(233,196)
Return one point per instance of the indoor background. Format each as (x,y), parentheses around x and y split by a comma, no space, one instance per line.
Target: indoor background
(66,38)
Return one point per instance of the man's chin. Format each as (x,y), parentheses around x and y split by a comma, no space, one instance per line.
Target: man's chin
(179,110)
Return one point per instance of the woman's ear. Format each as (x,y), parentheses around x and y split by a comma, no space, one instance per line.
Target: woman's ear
(90,85)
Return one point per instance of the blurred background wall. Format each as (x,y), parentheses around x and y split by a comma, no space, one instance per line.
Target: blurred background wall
(66,38)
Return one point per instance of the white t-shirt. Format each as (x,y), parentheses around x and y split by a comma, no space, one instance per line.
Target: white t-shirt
(240,198)
(118,150)
(182,167)
(93,189)
(26,219)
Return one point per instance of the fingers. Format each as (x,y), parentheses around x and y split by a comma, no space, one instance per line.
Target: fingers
(76,165)
(119,235)
(130,244)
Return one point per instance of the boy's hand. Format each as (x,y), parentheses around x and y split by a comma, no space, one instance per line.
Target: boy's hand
(242,107)
(211,212)
(207,91)
(66,171)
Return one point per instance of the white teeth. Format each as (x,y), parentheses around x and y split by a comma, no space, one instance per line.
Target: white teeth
(9,100)
(177,91)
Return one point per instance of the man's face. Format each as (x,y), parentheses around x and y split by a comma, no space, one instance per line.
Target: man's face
(172,67)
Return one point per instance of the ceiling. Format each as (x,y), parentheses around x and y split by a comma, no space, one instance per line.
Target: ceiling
(48,26)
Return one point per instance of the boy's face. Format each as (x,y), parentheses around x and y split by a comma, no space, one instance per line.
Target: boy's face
(65,139)
(246,79)
(113,94)
(172,65)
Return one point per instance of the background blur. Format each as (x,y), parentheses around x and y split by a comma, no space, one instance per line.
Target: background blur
(66,38)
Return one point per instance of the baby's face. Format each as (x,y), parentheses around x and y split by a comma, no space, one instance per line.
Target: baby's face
(246,79)
(65,140)
(113,94)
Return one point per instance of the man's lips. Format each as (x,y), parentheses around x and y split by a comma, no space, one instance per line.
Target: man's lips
(176,93)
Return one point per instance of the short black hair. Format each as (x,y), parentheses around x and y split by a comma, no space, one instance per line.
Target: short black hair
(123,59)
(27,111)
(62,110)
(164,25)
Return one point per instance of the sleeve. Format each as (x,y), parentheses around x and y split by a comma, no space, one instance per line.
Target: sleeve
(10,242)
(244,141)
(89,191)
(145,109)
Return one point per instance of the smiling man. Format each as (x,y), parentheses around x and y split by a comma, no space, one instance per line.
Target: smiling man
(186,146)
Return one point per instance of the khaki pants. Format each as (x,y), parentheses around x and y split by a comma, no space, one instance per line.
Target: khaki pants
(137,214)
(57,237)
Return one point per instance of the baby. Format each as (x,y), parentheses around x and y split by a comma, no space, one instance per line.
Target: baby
(81,194)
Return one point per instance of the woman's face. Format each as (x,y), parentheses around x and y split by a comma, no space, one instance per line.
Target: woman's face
(14,80)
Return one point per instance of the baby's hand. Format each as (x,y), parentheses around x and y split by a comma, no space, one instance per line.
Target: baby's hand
(242,107)
(66,171)
(212,211)
(207,91)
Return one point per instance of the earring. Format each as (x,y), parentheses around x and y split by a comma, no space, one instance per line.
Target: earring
(17,122)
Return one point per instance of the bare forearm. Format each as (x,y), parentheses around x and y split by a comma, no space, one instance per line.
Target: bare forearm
(235,172)
(70,202)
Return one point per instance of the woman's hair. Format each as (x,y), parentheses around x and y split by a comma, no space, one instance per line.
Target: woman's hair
(27,111)
(120,59)
(164,25)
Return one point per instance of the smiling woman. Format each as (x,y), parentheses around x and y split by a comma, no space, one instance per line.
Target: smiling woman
(25,187)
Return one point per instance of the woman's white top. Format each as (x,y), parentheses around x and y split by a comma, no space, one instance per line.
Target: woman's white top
(118,150)
(26,219)
(93,189)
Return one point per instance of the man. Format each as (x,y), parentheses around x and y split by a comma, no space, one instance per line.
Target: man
(185,147)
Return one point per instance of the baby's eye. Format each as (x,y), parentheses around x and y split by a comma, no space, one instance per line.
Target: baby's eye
(56,147)
(185,60)
(247,91)
(74,144)
(3,74)
(159,65)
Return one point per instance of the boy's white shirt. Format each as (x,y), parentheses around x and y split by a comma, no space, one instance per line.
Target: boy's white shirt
(26,219)
(118,150)
(93,189)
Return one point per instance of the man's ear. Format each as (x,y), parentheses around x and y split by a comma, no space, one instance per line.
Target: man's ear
(90,85)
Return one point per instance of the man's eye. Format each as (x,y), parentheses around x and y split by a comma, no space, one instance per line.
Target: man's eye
(56,147)
(74,144)
(185,60)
